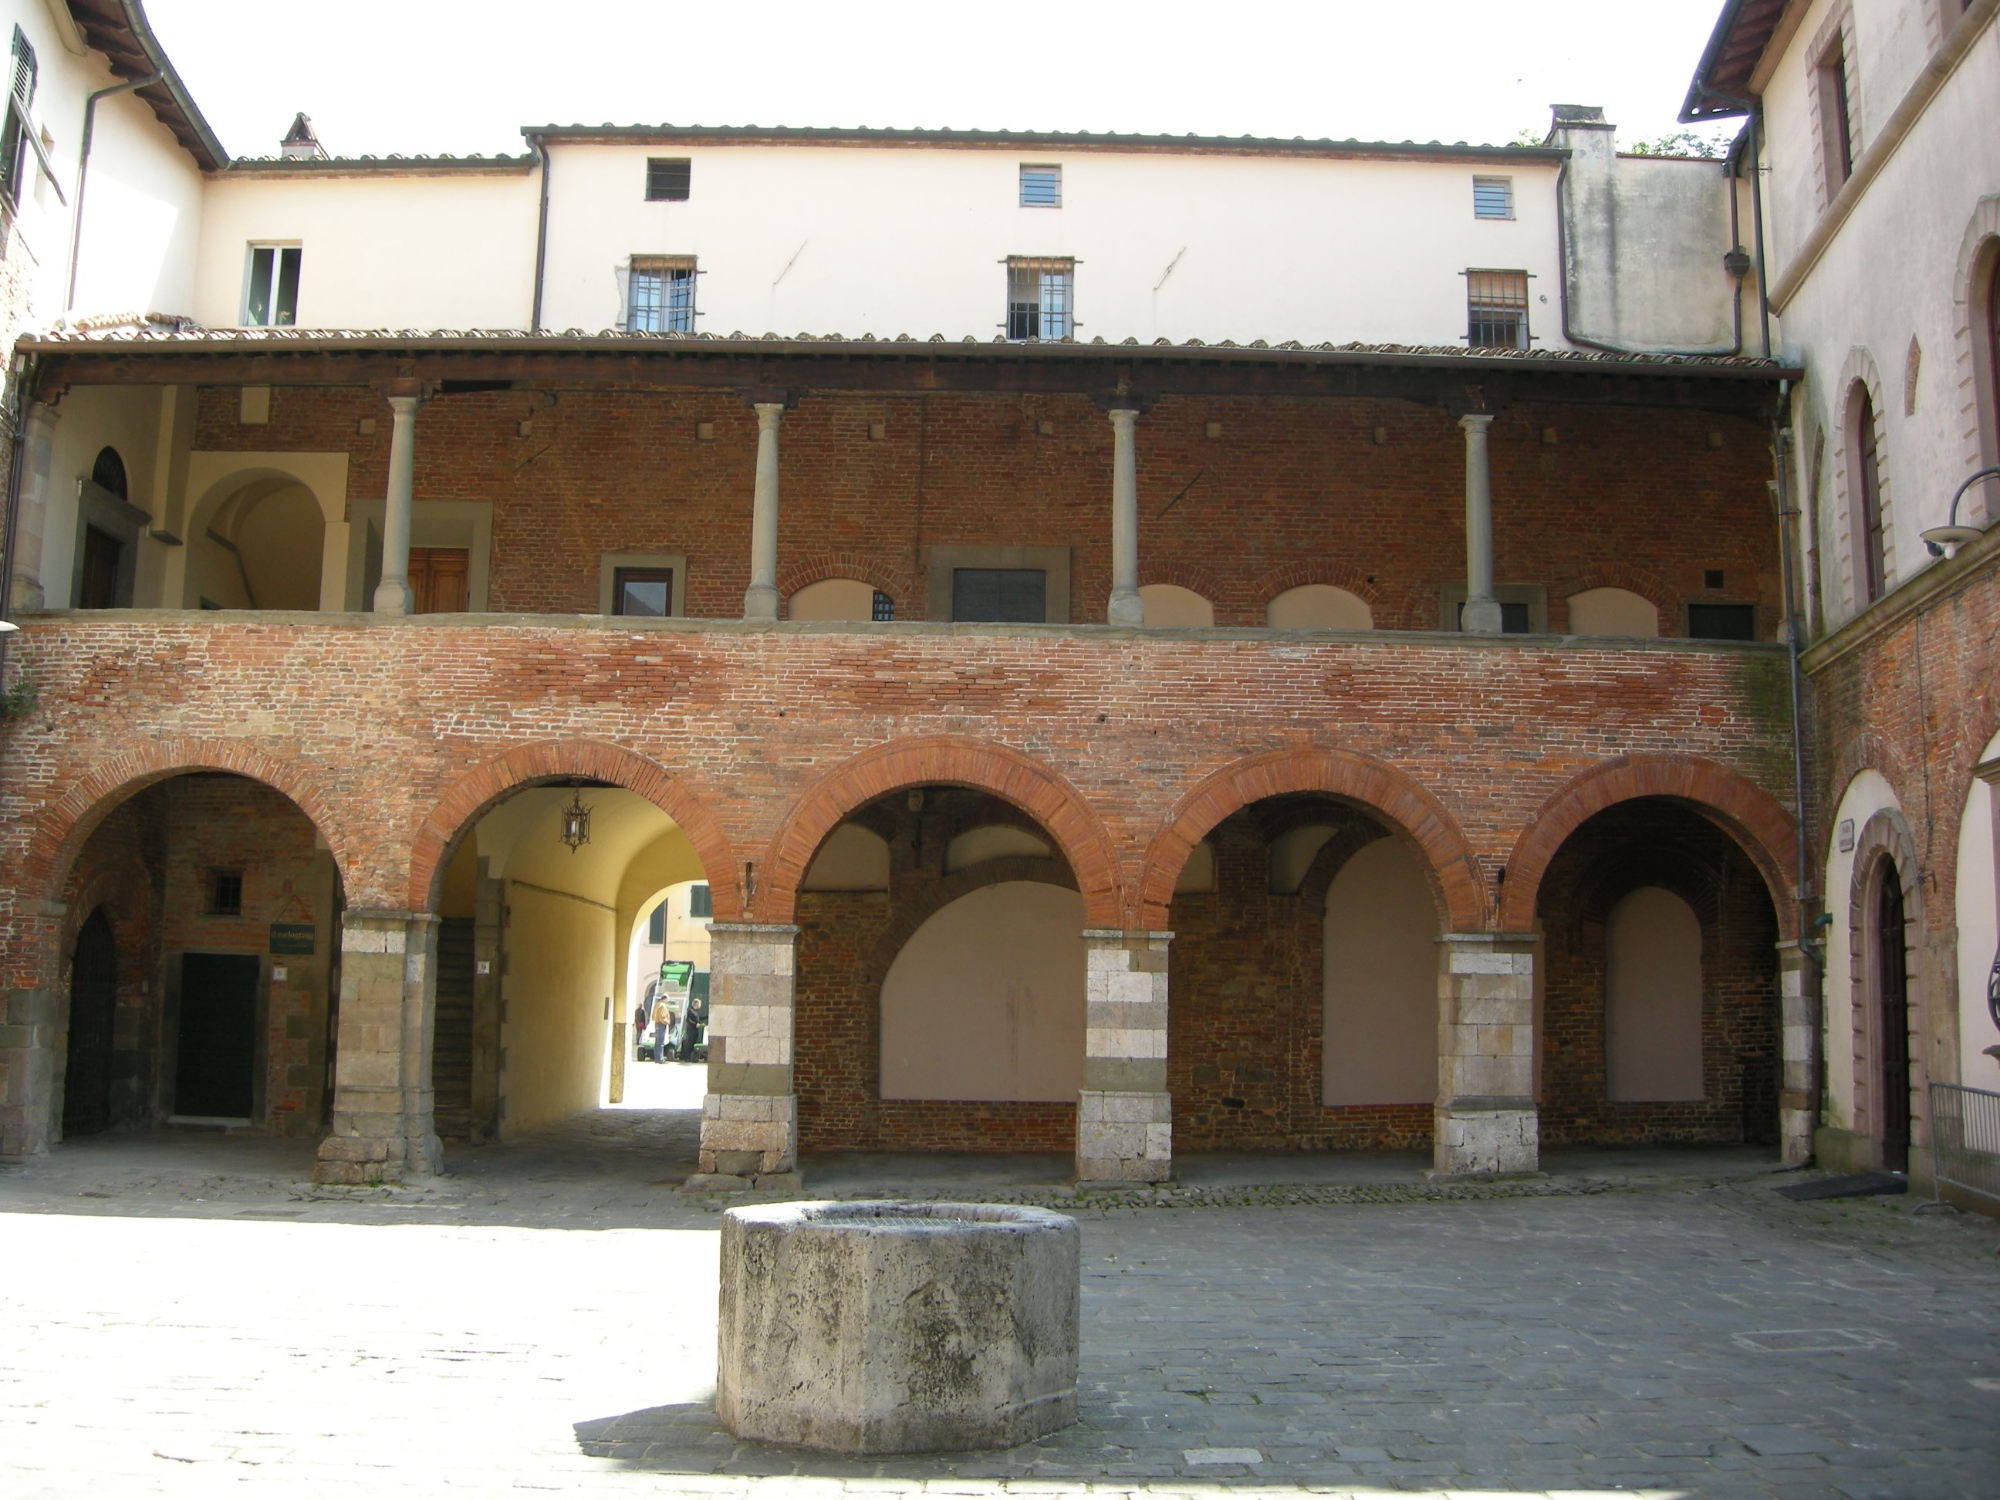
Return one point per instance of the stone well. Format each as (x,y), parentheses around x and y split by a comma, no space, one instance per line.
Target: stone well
(897,1327)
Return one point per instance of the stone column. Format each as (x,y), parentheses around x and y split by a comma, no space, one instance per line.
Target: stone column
(749,1117)
(37,436)
(1124,1116)
(31,1037)
(760,600)
(392,594)
(1126,606)
(1486,1120)
(1797,978)
(382,1115)
(1482,611)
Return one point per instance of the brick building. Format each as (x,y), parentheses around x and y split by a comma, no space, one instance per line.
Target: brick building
(1104,742)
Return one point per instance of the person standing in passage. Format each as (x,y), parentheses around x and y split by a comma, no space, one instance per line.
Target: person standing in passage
(663,1020)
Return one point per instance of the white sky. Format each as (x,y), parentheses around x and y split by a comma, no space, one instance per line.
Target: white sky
(427,76)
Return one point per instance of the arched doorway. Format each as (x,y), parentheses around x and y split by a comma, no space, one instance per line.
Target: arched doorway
(1890,971)
(93,1006)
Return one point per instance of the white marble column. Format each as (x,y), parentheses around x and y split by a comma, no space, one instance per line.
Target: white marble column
(1482,611)
(392,594)
(1126,606)
(760,600)
(37,434)
(1125,1116)
(1486,1123)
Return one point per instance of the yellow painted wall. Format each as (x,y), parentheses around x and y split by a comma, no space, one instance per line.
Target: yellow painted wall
(559,970)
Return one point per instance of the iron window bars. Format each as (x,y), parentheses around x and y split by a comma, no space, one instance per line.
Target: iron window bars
(660,294)
(668,179)
(1041,292)
(1496,309)
(1041,186)
(1492,197)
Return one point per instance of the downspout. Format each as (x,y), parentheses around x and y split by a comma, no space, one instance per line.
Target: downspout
(541,232)
(24,379)
(1757,224)
(82,173)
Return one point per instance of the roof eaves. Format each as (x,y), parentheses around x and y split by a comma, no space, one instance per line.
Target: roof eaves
(361,166)
(1720,88)
(120,31)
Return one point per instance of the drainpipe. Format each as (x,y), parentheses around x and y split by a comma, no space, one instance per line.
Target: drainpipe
(541,232)
(82,171)
(1757,225)
(24,380)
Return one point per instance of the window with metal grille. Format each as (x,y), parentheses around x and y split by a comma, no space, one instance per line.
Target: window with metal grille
(14,135)
(1496,309)
(1009,595)
(1040,295)
(1492,197)
(225,893)
(1722,622)
(701,902)
(660,294)
(271,288)
(1041,187)
(885,607)
(668,179)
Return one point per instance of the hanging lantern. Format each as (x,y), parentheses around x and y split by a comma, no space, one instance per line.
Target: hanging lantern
(576,823)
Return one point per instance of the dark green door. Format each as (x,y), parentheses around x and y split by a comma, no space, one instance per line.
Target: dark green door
(218,1035)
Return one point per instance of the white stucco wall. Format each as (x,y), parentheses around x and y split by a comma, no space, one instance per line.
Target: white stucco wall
(913,240)
(1888,276)
(448,249)
(1978,933)
(94,417)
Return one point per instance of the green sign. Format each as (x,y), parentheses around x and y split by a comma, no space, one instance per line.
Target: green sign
(293,938)
(675,973)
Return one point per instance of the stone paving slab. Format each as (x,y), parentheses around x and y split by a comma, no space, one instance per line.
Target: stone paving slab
(186,1322)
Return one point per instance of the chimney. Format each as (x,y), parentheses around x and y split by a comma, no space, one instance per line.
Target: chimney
(300,144)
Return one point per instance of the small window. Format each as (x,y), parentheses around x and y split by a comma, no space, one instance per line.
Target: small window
(1005,595)
(225,893)
(647,592)
(1492,197)
(1496,309)
(660,294)
(885,607)
(108,473)
(700,902)
(1041,187)
(1873,572)
(1040,297)
(1835,125)
(271,296)
(656,925)
(667,179)
(1722,622)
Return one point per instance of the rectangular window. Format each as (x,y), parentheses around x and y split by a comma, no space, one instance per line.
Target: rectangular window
(271,295)
(1496,309)
(1492,197)
(14,146)
(1722,622)
(885,607)
(660,294)
(647,592)
(1008,595)
(225,893)
(1041,187)
(1516,617)
(1836,128)
(656,925)
(700,902)
(668,179)
(1040,297)
(1874,560)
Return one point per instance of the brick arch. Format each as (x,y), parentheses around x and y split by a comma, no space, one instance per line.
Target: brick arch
(555,760)
(1647,585)
(1377,786)
(1862,751)
(61,826)
(951,761)
(1294,575)
(1190,576)
(1749,814)
(817,567)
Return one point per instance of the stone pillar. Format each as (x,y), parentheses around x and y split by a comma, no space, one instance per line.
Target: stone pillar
(382,1115)
(1486,1120)
(1126,606)
(31,1039)
(1798,977)
(392,594)
(37,436)
(760,600)
(1125,1116)
(749,1117)
(1482,611)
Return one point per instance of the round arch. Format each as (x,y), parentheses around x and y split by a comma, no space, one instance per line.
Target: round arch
(555,760)
(817,567)
(1884,843)
(1749,814)
(945,760)
(1376,785)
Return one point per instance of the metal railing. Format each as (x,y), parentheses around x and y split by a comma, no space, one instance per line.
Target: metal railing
(1965,1139)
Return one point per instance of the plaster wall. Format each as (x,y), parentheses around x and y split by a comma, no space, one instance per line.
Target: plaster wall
(559,969)
(1652,1001)
(1978,932)
(93,418)
(1381,967)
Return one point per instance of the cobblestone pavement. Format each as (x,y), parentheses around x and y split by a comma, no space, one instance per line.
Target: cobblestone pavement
(187,1318)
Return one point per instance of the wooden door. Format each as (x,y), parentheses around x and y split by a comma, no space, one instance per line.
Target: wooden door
(218,1035)
(93,1003)
(1893,960)
(451,1035)
(439,580)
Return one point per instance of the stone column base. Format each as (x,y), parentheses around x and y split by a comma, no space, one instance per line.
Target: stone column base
(1124,1137)
(382,1102)
(1487,1138)
(747,1140)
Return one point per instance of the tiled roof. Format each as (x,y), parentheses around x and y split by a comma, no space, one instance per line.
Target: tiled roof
(118,29)
(197,339)
(1721,85)
(395,161)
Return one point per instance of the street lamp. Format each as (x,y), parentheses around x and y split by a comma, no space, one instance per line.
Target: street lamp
(576,823)
(1945,540)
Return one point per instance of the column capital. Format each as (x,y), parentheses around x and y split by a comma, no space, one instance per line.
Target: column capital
(1476,421)
(761,396)
(404,406)
(1122,404)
